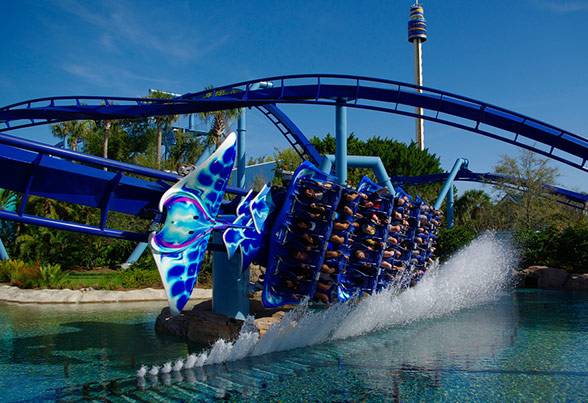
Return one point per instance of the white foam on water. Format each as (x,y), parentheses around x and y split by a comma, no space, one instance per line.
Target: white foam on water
(477,274)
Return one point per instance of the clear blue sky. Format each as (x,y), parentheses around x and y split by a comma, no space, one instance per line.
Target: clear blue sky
(526,55)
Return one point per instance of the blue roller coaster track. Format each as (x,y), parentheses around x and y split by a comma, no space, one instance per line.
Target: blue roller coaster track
(318,89)
(46,171)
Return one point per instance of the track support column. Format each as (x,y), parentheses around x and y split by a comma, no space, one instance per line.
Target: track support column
(230,284)
(450,202)
(447,190)
(341,140)
(241,153)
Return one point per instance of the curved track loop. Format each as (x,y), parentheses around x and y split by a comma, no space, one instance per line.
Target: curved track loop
(321,89)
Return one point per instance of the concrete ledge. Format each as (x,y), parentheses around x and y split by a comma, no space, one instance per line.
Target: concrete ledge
(67,296)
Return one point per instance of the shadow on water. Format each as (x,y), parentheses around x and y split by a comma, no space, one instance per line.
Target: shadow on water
(126,342)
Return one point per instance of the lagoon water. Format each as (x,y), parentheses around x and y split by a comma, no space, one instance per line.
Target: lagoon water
(460,335)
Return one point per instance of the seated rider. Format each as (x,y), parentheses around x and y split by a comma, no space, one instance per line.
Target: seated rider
(317,207)
(351,196)
(337,239)
(341,226)
(307,225)
(313,194)
(368,229)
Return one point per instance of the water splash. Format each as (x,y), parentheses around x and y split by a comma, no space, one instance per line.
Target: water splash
(477,274)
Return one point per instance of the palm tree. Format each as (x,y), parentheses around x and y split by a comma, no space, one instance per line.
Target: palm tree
(471,206)
(76,130)
(107,126)
(220,122)
(161,123)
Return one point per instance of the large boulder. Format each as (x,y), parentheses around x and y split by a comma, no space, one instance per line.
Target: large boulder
(202,326)
(577,282)
(542,277)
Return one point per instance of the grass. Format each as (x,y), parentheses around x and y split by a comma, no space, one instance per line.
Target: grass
(100,280)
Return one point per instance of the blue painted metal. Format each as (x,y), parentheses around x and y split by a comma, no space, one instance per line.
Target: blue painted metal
(341,140)
(41,170)
(70,226)
(361,161)
(241,151)
(477,117)
(460,162)
(136,254)
(3,252)
(256,174)
(450,207)
(572,198)
(230,284)
(291,133)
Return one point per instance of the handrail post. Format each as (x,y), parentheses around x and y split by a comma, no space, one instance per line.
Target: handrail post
(341,141)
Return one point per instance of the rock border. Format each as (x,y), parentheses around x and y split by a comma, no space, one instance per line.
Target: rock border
(88,296)
(550,278)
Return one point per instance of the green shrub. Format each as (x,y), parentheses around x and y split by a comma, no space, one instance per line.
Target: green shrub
(565,248)
(453,239)
(24,275)
(51,276)
(5,270)
(140,278)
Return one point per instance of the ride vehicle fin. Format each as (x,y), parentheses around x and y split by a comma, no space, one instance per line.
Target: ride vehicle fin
(191,207)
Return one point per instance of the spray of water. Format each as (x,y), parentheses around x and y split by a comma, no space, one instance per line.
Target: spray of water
(476,275)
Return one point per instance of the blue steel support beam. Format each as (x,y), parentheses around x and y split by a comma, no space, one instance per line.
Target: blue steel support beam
(341,140)
(3,252)
(450,207)
(241,153)
(362,161)
(230,283)
(135,255)
(460,162)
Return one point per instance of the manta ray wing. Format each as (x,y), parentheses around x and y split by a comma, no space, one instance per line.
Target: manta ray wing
(179,271)
(209,180)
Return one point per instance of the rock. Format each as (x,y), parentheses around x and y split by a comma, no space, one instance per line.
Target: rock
(577,282)
(200,325)
(205,327)
(542,277)
(254,272)
(263,324)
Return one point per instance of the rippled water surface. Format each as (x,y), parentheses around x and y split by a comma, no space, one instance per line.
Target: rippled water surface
(460,337)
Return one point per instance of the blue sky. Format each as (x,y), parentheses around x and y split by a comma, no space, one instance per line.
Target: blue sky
(527,55)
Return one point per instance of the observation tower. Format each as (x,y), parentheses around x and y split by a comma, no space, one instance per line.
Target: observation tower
(417,34)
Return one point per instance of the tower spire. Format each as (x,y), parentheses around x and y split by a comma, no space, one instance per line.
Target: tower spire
(417,34)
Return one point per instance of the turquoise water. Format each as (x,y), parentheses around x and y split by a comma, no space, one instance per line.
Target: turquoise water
(523,345)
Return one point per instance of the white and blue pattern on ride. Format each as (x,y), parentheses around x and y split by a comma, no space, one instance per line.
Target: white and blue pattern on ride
(191,207)
(246,232)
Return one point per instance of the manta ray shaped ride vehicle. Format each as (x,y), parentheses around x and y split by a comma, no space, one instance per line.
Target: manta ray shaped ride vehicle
(324,241)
